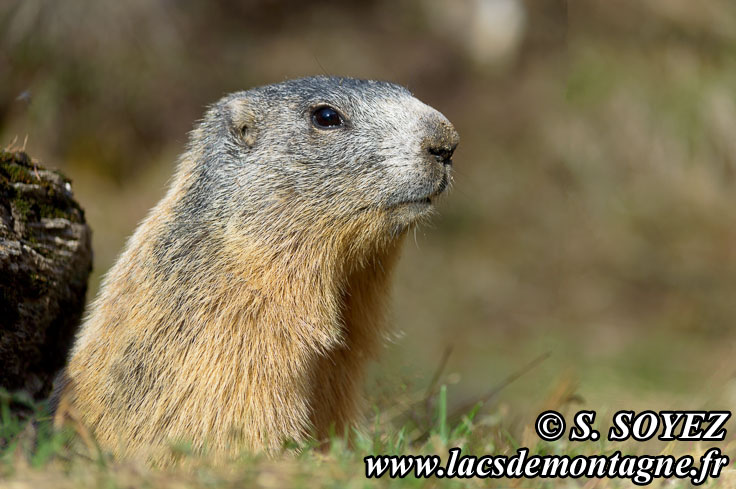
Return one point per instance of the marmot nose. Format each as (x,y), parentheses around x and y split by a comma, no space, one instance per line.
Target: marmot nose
(442,153)
(442,141)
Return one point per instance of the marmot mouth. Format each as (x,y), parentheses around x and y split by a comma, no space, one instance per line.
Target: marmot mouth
(429,199)
(423,201)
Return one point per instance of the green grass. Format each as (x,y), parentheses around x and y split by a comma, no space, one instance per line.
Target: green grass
(33,454)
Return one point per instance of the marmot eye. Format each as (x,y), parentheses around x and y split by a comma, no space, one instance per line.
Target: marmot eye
(326,118)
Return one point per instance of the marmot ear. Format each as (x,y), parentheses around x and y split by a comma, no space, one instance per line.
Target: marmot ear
(242,121)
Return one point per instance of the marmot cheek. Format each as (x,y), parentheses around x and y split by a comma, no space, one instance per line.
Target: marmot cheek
(443,184)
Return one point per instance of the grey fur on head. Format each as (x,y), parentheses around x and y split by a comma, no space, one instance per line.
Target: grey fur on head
(377,159)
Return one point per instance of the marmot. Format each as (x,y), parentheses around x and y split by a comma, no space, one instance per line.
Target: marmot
(243,308)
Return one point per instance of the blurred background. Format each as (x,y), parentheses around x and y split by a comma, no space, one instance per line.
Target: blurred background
(592,216)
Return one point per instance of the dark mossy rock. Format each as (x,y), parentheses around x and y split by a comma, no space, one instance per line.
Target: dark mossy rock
(45,261)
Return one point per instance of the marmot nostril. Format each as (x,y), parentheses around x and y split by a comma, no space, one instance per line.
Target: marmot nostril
(442,141)
(442,153)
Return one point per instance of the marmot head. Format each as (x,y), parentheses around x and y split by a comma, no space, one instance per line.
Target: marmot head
(309,157)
